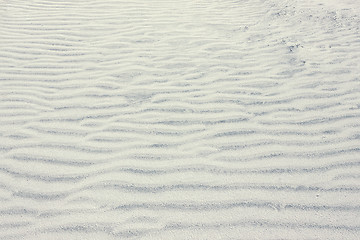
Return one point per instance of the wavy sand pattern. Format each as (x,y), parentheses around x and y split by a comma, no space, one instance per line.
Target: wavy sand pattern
(179,119)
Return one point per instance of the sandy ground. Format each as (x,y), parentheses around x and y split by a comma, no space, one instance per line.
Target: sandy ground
(179,119)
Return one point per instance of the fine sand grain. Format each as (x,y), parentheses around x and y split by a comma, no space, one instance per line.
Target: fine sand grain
(187,119)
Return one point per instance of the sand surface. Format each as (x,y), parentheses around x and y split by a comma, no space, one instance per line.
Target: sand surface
(185,119)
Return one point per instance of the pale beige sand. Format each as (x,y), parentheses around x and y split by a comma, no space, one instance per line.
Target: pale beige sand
(186,119)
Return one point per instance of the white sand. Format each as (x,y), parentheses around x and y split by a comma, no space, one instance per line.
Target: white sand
(185,119)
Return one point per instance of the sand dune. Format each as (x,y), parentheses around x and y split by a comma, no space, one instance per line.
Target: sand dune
(179,119)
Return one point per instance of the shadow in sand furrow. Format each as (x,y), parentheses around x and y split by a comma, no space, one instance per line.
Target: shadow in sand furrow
(198,189)
(154,172)
(266,224)
(59,146)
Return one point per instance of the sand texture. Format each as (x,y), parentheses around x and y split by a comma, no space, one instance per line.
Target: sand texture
(187,119)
